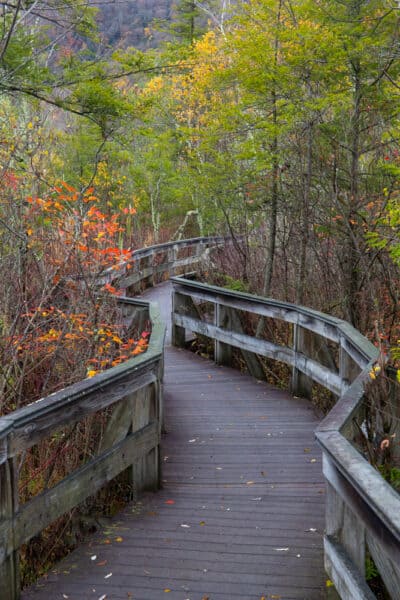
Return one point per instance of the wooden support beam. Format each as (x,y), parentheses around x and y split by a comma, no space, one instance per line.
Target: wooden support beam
(9,561)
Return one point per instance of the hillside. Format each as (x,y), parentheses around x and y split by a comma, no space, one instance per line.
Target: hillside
(128,23)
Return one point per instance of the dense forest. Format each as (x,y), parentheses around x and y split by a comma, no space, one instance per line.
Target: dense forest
(276,122)
(270,119)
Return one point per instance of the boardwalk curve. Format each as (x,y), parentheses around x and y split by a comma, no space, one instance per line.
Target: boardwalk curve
(241,512)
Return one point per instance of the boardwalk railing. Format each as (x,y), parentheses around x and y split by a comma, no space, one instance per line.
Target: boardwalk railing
(131,437)
(149,265)
(362,510)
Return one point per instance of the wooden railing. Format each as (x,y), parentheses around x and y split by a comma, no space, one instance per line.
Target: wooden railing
(362,509)
(149,265)
(130,441)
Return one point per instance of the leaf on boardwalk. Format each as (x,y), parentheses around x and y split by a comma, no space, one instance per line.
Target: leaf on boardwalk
(249,482)
(102,563)
(93,557)
(119,539)
(167,590)
(170,502)
(281,549)
(191,441)
(185,526)
(202,523)
(108,576)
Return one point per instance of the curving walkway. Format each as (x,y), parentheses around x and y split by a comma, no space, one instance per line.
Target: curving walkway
(241,512)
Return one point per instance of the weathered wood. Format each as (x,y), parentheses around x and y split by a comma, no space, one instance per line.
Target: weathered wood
(179,305)
(307,366)
(388,569)
(251,360)
(223,320)
(120,422)
(346,528)
(244,488)
(303,344)
(372,501)
(341,569)
(38,425)
(145,469)
(42,510)
(9,562)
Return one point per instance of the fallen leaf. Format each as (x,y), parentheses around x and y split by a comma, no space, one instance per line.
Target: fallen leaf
(307,450)
(102,563)
(275,597)
(312,529)
(108,576)
(191,441)
(249,482)
(218,468)
(103,597)
(313,460)
(170,502)
(65,596)
(119,539)
(329,583)
(202,523)
(107,541)
(167,590)
(185,526)
(93,557)
(281,549)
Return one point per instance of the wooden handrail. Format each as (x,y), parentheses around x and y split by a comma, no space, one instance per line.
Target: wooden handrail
(362,509)
(132,436)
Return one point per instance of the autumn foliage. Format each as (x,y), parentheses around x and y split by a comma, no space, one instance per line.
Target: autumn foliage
(66,323)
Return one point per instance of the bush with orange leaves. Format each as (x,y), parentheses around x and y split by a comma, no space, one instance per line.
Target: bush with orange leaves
(52,307)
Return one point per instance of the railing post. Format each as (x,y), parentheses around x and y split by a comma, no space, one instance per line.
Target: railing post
(9,567)
(171,257)
(301,385)
(222,351)
(344,365)
(178,333)
(145,471)
(343,527)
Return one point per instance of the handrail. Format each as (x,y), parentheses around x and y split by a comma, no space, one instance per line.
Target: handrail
(132,435)
(362,509)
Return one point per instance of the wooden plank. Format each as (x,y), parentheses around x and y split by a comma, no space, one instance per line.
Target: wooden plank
(42,510)
(349,583)
(9,562)
(370,498)
(325,325)
(388,569)
(307,366)
(41,424)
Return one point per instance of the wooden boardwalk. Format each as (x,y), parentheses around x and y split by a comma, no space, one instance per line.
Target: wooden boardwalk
(241,512)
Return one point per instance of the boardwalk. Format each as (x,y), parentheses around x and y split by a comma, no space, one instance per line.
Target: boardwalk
(240,515)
